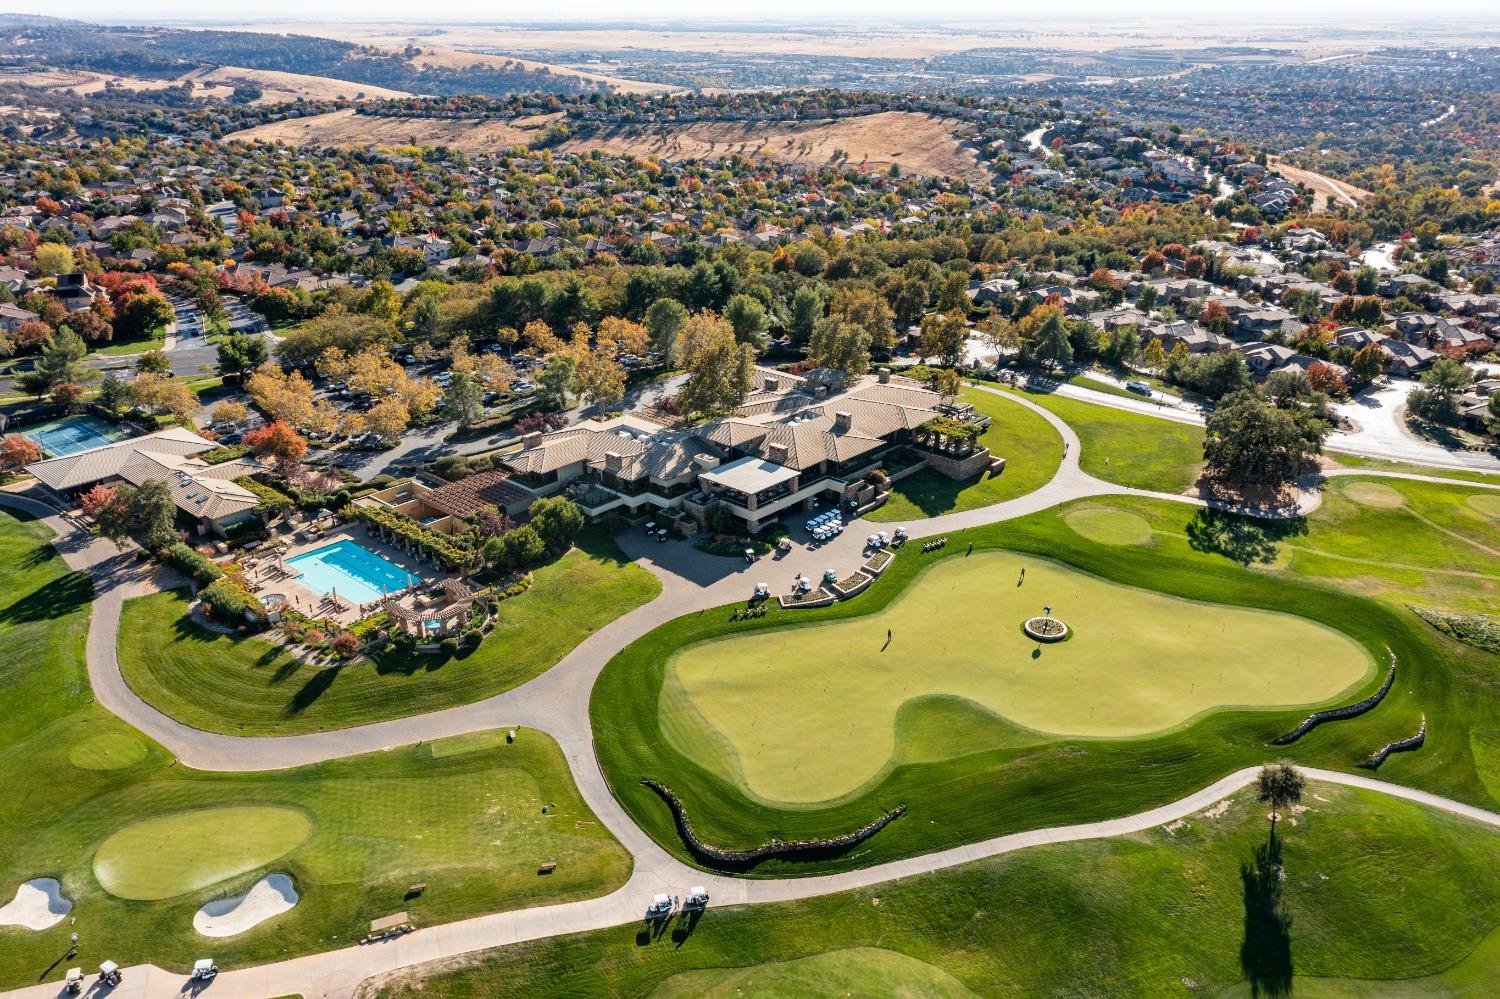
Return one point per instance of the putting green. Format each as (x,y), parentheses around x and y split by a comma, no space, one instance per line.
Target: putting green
(869,972)
(109,751)
(1486,503)
(169,855)
(811,713)
(1375,494)
(1109,526)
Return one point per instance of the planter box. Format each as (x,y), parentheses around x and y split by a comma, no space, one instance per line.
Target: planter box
(818,597)
(857,584)
(878,563)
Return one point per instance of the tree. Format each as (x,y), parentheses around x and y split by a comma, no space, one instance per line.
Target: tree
(159,393)
(142,315)
(153,361)
(598,378)
(145,512)
(289,397)
(463,400)
(946,383)
(1367,364)
(558,521)
(387,418)
(16,451)
(1053,346)
(1327,378)
(53,258)
(1250,443)
(1493,413)
(96,499)
(1279,786)
(112,392)
(747,315)
(241,353)
(953,293)
(1155,356)
(865,307)
(943,336)
(555,381)
(60,363)
(382,301)
(908,298)
(840,345)
(517,549)
(720,370)
(807,309)
(278,440)
(351,332)
(228,412)
(1442,384)
(664,320)
(1000,335)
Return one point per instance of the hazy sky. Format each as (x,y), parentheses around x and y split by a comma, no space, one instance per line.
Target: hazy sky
(487,11)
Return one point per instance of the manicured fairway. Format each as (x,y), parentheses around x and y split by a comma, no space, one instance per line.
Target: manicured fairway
(1030,446)
(810,712)
(80,788)
(168,855)
(1359,910)
(868,972)
(247,686)
(1130,448)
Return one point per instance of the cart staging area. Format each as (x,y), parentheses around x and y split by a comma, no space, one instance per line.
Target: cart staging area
(810,713)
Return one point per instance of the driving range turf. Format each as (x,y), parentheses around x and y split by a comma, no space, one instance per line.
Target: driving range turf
(1180,910)
(83,790)
(1032,450)
(809,714)
(965,775)
(249,686)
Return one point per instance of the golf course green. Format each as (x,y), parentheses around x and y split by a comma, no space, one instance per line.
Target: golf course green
(171,854)
(869,972)
(809,713)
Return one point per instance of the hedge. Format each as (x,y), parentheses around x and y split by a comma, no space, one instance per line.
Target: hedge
(273,501)
(193,564)
(230,601)
(223,453)
(410,531)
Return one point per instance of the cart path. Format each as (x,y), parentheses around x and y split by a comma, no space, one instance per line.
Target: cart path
(556,702)
(338,974)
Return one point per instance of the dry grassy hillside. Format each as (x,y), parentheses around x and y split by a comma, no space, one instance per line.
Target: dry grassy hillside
(454,59)
(919,143)
(278,86)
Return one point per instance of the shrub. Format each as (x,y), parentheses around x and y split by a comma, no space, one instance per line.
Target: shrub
(449,645)
(227,452)
(313,637)
(231,602)
(346,643)
(190,563)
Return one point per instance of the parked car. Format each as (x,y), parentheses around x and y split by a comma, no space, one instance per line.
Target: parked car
(1141,387)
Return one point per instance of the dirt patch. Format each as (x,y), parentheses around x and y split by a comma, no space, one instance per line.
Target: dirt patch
(920,143)
(1324,188)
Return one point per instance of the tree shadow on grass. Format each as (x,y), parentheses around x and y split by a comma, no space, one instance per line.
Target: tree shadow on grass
(1241,539)
(932,493)
(59,598)
(1266,950)
(316,686)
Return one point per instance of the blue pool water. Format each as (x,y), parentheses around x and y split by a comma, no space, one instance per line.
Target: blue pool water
(72,434)
(353,570)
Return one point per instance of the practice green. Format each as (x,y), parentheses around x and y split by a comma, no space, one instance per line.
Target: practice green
(807,714)
(108,751)
(868,972)
(1108,526)
(172,854)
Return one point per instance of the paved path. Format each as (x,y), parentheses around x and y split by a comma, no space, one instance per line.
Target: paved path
(339,973)
(557,703)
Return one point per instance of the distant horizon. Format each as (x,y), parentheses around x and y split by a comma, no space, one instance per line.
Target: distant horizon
(684,15)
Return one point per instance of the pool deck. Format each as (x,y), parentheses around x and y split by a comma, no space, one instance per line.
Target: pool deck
(266,577)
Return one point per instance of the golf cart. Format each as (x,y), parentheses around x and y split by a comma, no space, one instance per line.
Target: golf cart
(110,974)
(650,527)
(204,970)
(661,536)
(899,536)
(660,907)
(73,984)
(762,591)
(750,555)
(696,899)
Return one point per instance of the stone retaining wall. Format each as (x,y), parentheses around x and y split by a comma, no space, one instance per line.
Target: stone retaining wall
(1407,745)
(1317,718)
(776,848)
(959,468)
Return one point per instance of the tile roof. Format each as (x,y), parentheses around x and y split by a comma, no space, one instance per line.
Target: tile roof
(84,468)
(467,497)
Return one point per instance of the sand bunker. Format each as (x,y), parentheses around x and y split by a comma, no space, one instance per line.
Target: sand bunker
(270,896)
(38,904)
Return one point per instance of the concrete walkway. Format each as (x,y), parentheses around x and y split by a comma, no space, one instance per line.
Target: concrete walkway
(337,974)
(557,703)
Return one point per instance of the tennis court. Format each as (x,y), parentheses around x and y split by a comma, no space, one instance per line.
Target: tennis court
(72,434)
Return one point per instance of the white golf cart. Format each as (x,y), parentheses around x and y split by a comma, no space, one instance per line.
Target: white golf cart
(204,970)
(660,907)
(110,973)
(73,984)
(697,899)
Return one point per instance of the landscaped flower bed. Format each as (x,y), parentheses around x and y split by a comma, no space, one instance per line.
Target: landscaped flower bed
(817,597)
(877,562)
(853,584)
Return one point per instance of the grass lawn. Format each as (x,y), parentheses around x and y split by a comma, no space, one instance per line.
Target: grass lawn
(1169,911)
(87,797)
(1381,465)
(1137,662)
(1032,450)
(1129,448)
(248,686)
(139,345)
(964,776)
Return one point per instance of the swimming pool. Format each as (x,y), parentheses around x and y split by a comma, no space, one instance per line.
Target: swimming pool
(72,434)
(357,573)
